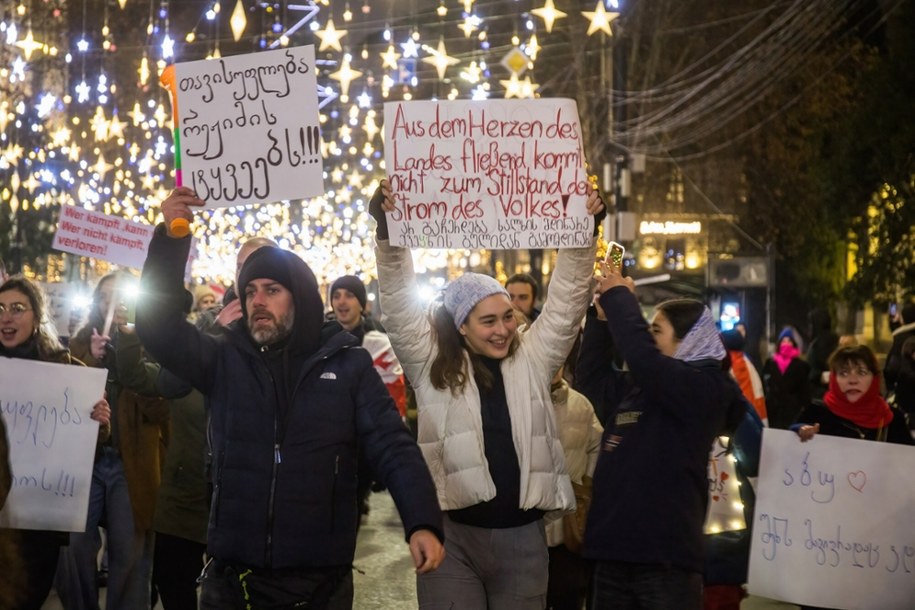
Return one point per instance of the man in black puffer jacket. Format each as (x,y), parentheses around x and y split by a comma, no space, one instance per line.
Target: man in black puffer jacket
(293,405)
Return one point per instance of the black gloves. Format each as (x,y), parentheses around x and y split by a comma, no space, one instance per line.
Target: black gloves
(375,211)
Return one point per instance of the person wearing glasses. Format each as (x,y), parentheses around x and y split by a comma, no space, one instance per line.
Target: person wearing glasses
(26,333)
(852,406)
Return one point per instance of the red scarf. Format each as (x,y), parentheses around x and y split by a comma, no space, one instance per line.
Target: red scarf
(870,411)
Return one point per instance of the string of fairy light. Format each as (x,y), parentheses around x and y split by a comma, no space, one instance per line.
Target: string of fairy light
(69,138)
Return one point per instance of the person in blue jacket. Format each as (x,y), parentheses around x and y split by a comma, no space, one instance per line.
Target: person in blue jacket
(292,405)
(650,489)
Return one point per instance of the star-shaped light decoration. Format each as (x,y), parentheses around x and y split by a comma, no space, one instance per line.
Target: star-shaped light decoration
(31,183)
(99,125)
(549,14)
(473,73)
(370,128)
(440,58)
(355,179)
(136,114)
(518,88)
(364,100)
(470,25)
(61,136)
(533,47)
(82,91)
(410,48)
(345,75)
(468,5)
(101,167)
(600,19)
(238,21)
(29,45)
(116,127)
(330,36)
(389,58)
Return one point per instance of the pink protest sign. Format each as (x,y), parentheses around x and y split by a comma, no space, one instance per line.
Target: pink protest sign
(96,235)
(496,174)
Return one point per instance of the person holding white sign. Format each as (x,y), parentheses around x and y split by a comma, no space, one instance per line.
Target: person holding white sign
(485,417)
(650,488)
(291,404)
(26,332)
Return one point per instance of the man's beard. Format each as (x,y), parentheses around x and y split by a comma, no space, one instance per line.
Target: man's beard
(275,331)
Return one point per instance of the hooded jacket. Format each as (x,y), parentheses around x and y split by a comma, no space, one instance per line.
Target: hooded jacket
(284,474)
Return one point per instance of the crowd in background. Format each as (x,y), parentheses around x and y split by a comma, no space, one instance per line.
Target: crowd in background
(539,422)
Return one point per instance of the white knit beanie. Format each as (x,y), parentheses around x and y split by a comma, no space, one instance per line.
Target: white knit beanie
(463,294)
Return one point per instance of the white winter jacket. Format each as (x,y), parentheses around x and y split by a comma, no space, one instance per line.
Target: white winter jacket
(451,426)
(580,433)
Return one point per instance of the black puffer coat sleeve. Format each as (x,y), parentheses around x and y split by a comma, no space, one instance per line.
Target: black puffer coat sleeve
(395,457)
(161,325)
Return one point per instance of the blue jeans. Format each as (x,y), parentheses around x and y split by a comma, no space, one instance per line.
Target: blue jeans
(129,551)
(618,585)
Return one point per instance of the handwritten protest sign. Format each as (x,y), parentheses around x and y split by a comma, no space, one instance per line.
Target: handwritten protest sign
(96,235)
(725,509)
(834,524)
(52,440)
(248,127)
(497,174)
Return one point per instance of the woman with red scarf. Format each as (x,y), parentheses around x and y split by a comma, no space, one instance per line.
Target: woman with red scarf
(852,406)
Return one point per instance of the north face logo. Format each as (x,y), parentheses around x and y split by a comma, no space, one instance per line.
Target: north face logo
(328,375)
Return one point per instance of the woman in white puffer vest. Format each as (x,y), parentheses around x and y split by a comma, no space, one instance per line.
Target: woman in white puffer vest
(485,418)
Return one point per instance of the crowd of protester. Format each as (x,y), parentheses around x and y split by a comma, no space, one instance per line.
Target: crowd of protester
(239,436)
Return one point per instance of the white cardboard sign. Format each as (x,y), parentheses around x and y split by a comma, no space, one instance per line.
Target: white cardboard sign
(834,524)
(494,174)
(248,129)
(46,409)
(96,235)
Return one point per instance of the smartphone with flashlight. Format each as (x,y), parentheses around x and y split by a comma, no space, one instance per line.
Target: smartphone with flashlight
(615,253)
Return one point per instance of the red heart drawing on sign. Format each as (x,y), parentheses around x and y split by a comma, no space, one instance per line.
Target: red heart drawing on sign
(715,498)
(724,476)
(857,480)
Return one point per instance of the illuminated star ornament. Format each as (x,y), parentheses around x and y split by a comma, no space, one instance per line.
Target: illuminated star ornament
(29,45)
(600,19)
(345,75)
(549,14)
(440,58)
(330,36)
(389,58)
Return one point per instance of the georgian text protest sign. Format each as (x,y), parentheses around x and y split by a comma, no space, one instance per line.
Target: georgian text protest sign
(834,524)
(46,409)
(496,174)
(248,128)
(96,235)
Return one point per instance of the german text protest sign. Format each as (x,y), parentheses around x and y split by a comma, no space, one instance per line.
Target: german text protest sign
(496,174)
(834,524)
(96,235)
(46,409)
(248,128)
